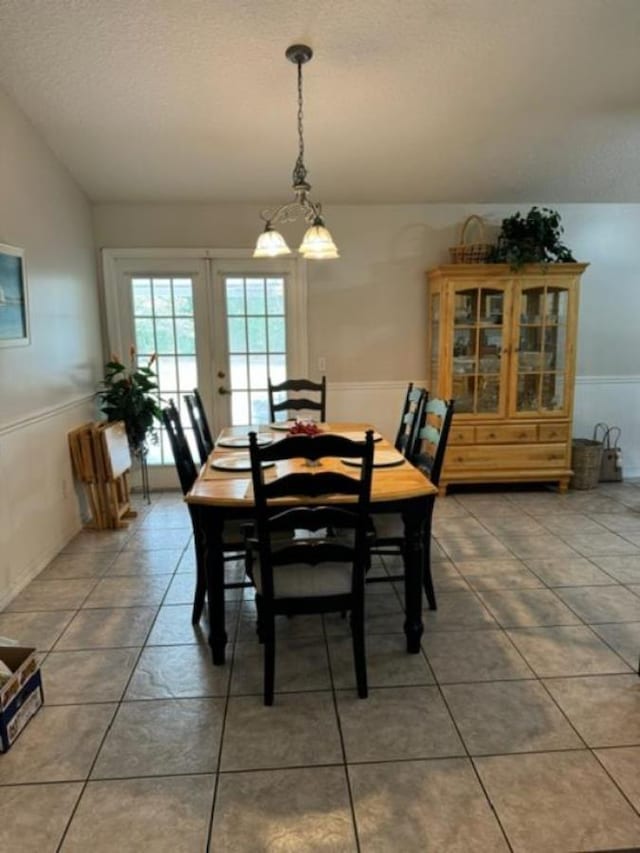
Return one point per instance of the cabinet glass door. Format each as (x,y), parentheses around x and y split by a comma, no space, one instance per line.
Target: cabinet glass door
(541,350)
(479,378)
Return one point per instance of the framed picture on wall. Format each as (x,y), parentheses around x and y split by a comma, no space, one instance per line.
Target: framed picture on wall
(14,306)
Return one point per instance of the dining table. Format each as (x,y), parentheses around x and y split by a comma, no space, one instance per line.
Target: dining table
(223,492)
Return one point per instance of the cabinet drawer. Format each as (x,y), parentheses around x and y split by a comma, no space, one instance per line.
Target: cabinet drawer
(461,435)
(553,432)
(503,457)
(506,434)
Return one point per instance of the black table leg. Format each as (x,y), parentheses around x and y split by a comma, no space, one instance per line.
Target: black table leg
(212,525)
(414,518)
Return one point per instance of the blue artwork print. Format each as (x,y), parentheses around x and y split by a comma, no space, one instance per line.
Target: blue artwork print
(13,310)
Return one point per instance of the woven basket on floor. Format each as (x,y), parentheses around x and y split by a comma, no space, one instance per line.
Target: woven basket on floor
(471,253)
(586,457)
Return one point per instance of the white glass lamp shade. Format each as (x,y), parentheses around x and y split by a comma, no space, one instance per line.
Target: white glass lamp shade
(271,244)
(318,244)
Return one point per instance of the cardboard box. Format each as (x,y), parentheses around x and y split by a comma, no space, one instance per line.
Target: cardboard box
(21,695)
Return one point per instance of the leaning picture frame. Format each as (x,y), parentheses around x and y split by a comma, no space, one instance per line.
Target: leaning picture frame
(14,302)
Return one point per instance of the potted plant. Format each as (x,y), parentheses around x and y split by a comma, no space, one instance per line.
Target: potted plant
(129,394)
(534,238)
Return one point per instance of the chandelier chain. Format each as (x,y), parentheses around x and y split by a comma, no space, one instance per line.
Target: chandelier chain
(299,170)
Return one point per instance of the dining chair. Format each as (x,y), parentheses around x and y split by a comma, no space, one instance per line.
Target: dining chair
(309,571)
(187,473)
(288,404)
(432,433)
(200,424)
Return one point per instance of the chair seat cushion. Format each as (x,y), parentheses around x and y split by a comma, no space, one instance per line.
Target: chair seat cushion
(301,580)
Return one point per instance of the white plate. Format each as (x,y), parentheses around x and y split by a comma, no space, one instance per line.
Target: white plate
(282,425)
(383,459)
(236,463)
(264,438)
(356,435)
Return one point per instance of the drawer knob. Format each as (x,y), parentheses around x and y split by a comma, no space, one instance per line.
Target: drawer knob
(523,435)
(492,435)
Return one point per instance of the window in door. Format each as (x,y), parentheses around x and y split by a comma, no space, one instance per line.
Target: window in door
(257,343)
(163,320)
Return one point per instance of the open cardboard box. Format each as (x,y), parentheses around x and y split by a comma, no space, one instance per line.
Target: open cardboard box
(21,695)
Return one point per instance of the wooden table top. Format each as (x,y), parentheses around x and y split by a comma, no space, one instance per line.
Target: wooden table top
(233,488)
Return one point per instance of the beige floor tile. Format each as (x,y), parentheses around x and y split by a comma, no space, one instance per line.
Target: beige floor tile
(84,565)
(508,716)
(107,628)
(527,608)
(95,540)
(577,571)
(571,524)
(396,723)
(52,595)
(388,664)
(624,637)
(173,626)
(58,745)
(458,656)
(182,590)
(33,817)
(40,629)
(163,815)
(548,546)
(167,519)
(145,563)
(87,676)
(603,544)
(605,709)
(457,611)
(497,574)
(621,522)
(383,615)
(427,806)
(284,810)
(301,664)
(623,763)
(162,736)
(560,801)
(597,604)
(129,591)
(257,737)
(145,539)
(176,672)
(471,547)
(568,650)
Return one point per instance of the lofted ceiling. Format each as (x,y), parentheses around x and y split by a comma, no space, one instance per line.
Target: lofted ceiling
(405,100)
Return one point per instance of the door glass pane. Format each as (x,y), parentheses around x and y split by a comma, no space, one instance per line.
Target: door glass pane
(435,340)
(488,394)
(466,307)
(532,303)
(556,305)
(553,387)
(530,356)
(164,324)
(555,340)
(464,388)
(256,328)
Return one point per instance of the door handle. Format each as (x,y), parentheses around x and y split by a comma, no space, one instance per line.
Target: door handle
(223,390)
(221,374)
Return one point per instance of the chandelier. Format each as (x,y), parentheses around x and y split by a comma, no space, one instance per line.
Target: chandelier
(317,243)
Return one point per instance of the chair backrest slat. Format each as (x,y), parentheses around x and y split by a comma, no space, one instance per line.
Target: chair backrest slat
(409,422)
(298,403)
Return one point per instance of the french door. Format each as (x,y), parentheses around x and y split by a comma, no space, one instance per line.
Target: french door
(223,325)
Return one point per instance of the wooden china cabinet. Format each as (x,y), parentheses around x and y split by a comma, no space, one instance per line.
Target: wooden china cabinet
(503,344)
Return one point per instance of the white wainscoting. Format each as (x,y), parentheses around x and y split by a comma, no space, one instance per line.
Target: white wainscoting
(40,510)
(616,401)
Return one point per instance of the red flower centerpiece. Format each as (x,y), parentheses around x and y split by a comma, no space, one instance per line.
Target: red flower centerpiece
(303,427)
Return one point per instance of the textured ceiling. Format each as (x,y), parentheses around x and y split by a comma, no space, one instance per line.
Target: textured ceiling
(405,100)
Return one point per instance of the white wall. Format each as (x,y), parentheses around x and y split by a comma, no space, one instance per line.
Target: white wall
(367,311)
(46,388)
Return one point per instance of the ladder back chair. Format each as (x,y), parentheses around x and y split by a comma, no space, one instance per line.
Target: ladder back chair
(432,433)
(295,566)
(296,404)
(187,473)
(200,425)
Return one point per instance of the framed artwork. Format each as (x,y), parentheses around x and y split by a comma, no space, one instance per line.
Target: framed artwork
(14,306)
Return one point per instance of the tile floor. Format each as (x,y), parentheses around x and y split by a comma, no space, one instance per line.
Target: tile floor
(517,728)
